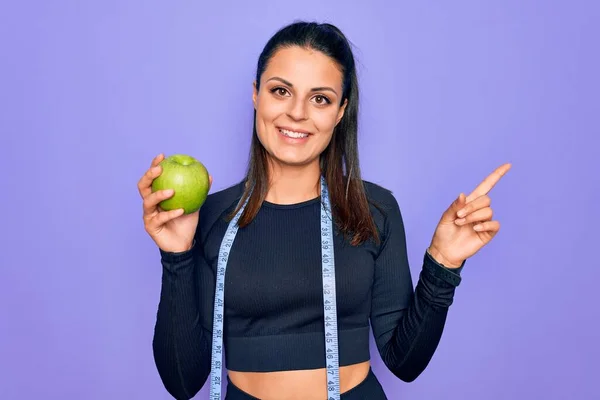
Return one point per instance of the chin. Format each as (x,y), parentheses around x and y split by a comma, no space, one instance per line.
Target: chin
(293,160)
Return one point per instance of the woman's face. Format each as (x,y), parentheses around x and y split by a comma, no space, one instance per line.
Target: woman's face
(298,105)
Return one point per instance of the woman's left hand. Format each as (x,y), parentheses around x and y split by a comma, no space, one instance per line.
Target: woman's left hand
(467,225)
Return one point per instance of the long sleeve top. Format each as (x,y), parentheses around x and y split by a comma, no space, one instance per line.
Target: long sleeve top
(274,300)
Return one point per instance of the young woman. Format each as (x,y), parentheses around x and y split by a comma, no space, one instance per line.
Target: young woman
(275,301)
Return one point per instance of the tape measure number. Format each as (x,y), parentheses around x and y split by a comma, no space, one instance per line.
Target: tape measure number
(329,300)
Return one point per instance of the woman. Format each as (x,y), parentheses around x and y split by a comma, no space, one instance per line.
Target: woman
(277,331)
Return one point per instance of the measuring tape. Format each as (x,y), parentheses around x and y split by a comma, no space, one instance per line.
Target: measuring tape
(329,300)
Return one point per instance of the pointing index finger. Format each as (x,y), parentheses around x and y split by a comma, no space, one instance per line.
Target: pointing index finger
(489,182)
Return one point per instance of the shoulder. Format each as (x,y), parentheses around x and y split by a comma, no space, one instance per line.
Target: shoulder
(218,204)
(223,197)
(381,197)
(384,206)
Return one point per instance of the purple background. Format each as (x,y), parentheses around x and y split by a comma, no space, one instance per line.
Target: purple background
(91,91)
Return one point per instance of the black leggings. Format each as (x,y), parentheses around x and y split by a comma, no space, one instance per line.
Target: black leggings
(368,389)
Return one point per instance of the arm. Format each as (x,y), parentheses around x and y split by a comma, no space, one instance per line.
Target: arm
(408,324)
(181,345)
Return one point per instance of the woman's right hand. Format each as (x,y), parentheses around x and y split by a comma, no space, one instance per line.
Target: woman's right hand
(172,231)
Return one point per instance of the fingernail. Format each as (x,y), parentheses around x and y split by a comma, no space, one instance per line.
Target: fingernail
(168,192)
(477,227)
(460,221)
(461,213)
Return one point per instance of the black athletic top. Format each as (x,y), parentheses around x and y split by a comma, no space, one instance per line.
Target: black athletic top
(274,298)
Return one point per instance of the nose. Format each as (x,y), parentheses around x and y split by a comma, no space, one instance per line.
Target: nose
(297,110)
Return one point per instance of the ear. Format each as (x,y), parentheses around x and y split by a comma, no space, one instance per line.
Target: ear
(341,112)
(254,94)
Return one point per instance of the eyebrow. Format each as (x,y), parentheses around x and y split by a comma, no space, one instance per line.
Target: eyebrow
(317,89)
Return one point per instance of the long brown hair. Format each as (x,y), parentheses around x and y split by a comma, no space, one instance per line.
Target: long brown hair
(339,161)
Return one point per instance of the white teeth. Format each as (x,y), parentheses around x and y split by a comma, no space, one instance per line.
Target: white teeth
(292,134)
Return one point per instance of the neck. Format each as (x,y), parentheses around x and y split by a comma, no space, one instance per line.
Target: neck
(293,184)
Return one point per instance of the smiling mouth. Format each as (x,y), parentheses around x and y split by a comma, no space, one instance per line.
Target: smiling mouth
(292,134)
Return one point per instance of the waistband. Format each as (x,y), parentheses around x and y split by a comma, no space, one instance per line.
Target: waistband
(293,351)
(369,389)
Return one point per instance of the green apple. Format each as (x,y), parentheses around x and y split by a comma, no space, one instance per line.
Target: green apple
(189,180)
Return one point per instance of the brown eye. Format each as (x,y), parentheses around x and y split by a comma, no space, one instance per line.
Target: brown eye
(321,100)
(279,91)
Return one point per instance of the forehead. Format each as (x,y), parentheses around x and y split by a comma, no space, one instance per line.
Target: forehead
(304,67)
